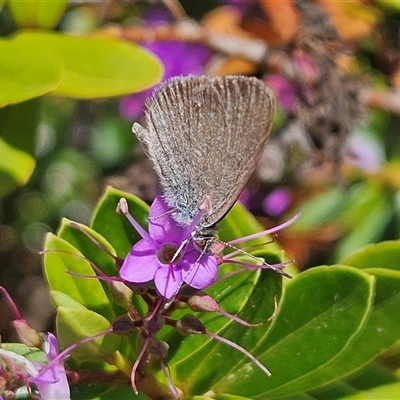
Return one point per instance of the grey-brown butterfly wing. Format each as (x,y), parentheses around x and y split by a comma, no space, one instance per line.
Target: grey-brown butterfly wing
(205,136)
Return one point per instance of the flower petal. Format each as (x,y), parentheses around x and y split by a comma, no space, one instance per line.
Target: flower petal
(141,263)
(202,269)
(162,227)
(168,280)
(16,358)
(52,383)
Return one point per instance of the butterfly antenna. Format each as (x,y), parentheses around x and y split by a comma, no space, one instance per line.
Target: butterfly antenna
(270,266)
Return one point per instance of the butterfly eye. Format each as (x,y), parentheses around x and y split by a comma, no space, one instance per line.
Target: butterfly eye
(201,243)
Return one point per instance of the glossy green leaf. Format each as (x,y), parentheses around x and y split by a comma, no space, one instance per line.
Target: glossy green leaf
(19,83)
(61,299)
(19,124)
(37,14)
(85,391)
(321,312)
(223,397)
(333,391)
(88,247)
(16,167)
(361,211)
(96,67)
(115,227)
(381,331)
(384,392)
(320,209)
(360,199)
(18,127)
(74,324)
(91,391)
(369,222)
(381,255)
(197,361)
(372,375)
(31,354)
(60,257)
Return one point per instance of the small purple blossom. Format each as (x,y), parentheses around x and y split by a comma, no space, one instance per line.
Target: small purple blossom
(365,152)
(52,381)
(165,255)
(277,202)
(284,90)
(178,58)
(306,66)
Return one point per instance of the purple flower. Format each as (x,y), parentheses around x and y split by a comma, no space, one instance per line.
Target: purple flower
(52,381)
(365,152)
(277,202)
(166,256)
(178,58)
(284,91)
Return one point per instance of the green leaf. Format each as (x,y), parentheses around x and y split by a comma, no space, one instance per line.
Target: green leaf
(93,246)
(16,167)
(88,247)
(62,299)
(96,67)
(333,391)
(18,82)
(381,330)
(223,397)
(115,227)
(18,128)
(322,310)
(320,209)
(19,124)
(197,361)
(60,257)
(387,392)
(381,255)
(372,375)
(370,221)
(37,14)
(74,324)
(91,391)
(31,354)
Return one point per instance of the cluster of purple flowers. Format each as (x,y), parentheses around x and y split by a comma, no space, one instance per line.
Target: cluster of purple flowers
(49,378)
(167,257)
(157,257)
(165,266)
